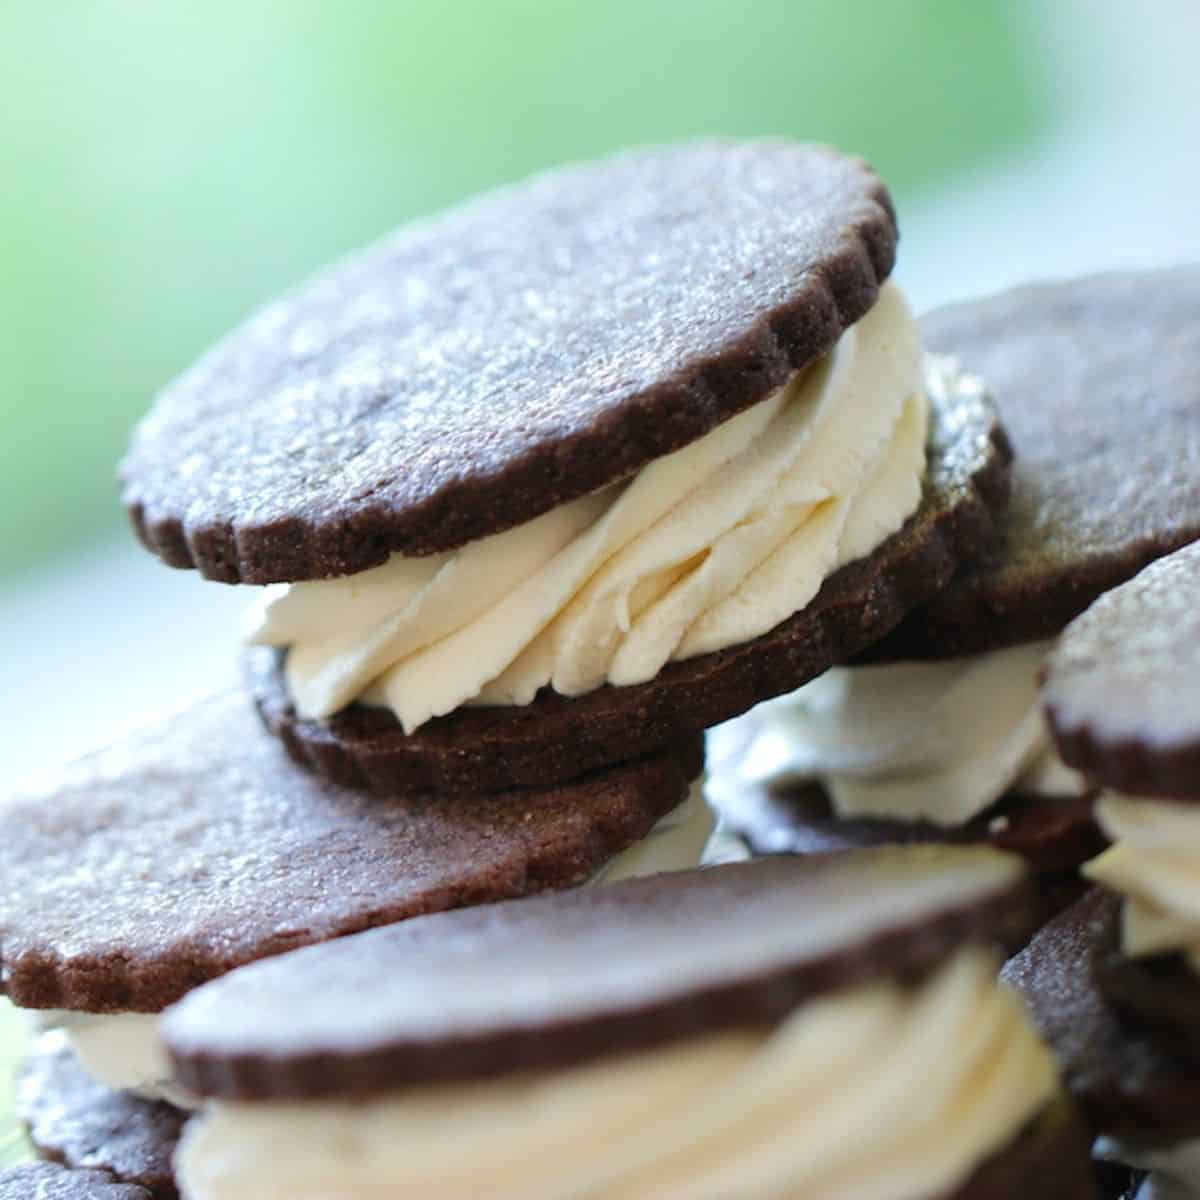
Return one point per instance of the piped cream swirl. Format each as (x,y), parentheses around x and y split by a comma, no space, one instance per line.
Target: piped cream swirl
(936,741)
(705,548)
(854,1095)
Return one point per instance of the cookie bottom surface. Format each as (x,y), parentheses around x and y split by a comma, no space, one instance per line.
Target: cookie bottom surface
(79,1123)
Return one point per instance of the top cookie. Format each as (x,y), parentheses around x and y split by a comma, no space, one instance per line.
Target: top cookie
(556,982)
(475,370)
(1098,382)
(1122,690)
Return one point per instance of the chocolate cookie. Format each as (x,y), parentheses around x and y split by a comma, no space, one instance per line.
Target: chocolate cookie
(475,370)
(822,925)
(78,1122)
(556,738)
(622,1036)
(48,1181)
(1122,687)
(1098,381)
(138,873)
(1127,1082)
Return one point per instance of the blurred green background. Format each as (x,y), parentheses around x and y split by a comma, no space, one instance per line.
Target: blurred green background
(166,167)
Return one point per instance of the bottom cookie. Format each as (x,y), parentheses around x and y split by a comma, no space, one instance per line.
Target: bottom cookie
(49,1181)
(75,1121)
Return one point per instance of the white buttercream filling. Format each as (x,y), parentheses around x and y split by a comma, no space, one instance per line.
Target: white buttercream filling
(705,548)
(1154,863)
(933,741)
(881,1092)
(124,1051)
(1174,1170)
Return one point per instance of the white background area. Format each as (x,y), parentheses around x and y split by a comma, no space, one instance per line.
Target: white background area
(93,645)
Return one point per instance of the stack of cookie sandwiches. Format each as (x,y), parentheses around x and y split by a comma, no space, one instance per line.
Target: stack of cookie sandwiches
(838,1030)
(534,492)
(1113,981)
(936,732)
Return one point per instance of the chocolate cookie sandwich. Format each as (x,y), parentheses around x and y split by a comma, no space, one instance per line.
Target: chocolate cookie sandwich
(836,1031)
(196,847)
(576,470)
(48,1181)
(937,732)
(1115,981)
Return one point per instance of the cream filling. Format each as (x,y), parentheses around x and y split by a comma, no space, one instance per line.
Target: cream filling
(1154,863)
(1174,1170)
(705,548)
(853,1096)
(124,1051)
(935,741)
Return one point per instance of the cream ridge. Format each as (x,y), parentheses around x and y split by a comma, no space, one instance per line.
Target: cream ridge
(705,548)
(1154,863)
(854,1095)
(916,741)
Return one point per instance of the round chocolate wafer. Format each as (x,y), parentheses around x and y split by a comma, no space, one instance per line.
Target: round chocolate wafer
(556,738)
(1098,381)
(1122,687)
(475,370)
(74,1120)
(1127,1082)
(638,964)
(195,847)
(49,1181)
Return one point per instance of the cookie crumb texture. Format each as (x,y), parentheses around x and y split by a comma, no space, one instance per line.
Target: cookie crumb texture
(49,1181)
(196,846)
(1098,383)
(472,371)
(84,1125)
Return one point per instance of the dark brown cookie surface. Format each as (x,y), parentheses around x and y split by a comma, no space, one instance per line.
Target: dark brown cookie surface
(1098,383)
(557,738)
(49,1181)
(468,995)
(196,846)
(1160,995)
(1048,1162)
(78,1122)
(473,371)
(1122,689)
(1125,1081)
